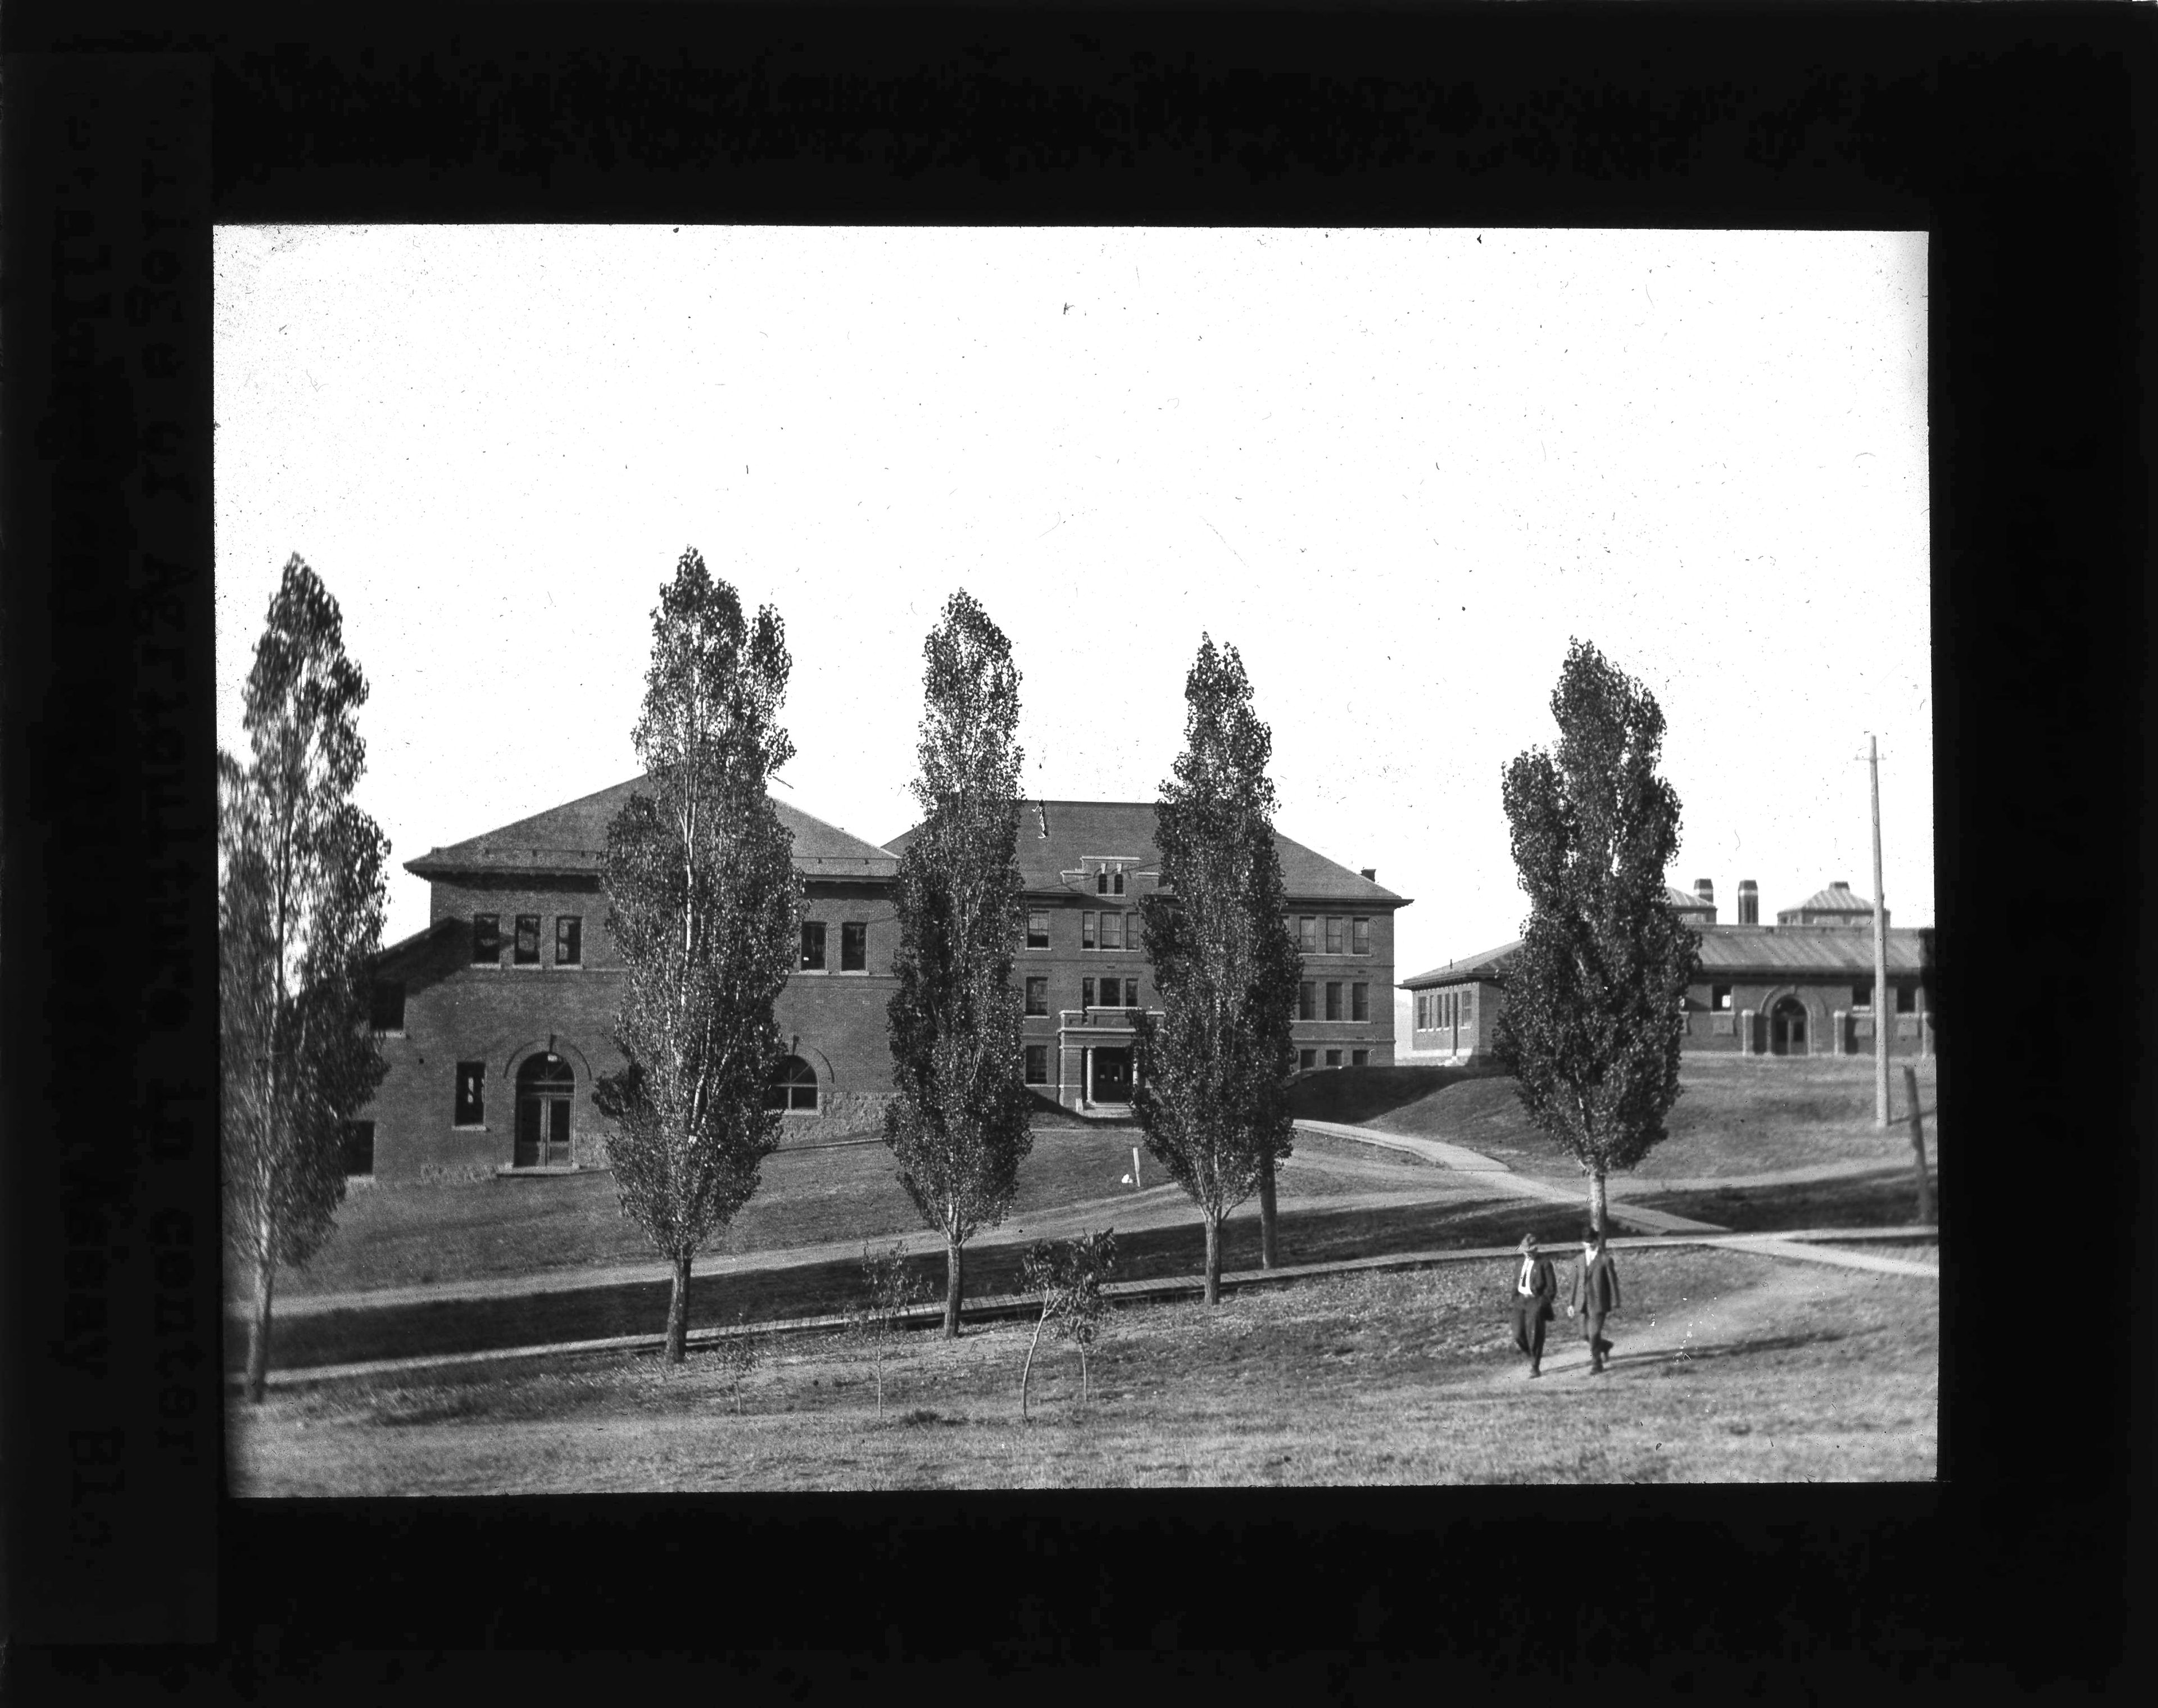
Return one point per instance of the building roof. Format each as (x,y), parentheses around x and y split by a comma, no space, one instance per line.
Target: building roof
(1686,901)
(1736,950)
(1057,838)
(1490,964)
(1837,898)
(572,839)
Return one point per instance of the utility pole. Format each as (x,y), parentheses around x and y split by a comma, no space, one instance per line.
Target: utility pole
(1883,1005)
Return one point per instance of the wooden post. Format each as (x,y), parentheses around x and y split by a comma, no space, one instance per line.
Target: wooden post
(1918,1147)
(1883,1006)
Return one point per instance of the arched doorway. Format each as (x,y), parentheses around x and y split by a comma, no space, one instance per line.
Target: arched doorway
(544,1086)
(793,1085)
(1787,1027)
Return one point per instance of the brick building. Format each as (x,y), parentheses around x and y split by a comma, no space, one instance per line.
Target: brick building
(1801,986)
(1086,864)
(498,1016)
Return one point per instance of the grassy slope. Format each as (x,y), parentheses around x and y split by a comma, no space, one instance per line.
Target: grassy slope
(1733,1116)
(1381,1379)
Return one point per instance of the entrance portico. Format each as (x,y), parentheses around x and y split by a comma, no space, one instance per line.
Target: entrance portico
(1095,1058)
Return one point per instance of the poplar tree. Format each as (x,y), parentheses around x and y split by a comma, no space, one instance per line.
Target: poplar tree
(1212,1090)
(958,1123)
(299,903)
(704,902)
(1592,1017)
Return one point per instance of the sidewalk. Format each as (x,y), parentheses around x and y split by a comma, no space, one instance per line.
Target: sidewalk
(1496,1175)
(1786,1245)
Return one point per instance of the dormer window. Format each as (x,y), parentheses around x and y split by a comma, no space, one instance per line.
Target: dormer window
(1117,880)
(1101,880)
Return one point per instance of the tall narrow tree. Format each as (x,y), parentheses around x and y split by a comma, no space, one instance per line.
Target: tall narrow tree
(1212,1095)
(1592,1017)
(299,900)
(704,903)
(958,1125)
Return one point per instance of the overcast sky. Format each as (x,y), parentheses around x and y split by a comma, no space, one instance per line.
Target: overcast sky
(1398,469)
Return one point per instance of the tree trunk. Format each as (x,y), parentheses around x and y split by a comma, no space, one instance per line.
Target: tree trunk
(955,1273)
(258,1332)
(1267,1210)
(678,1313)
(1598,1204)
(1918,1147)
(1213,1260)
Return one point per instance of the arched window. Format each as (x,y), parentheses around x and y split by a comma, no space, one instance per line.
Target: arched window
(793,1085)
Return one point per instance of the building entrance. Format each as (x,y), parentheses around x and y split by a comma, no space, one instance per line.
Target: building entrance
(1113,1075)
(1787,1027)
(544,1085)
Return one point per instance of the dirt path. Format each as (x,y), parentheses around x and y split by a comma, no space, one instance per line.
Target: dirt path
(1644,1339)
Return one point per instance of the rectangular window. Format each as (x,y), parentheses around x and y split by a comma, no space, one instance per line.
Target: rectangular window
(854,946)
(1333,1004)
(1037,1064)
(569,939)
(1307,1058)
(1862,996)
(1307,1002)
(813,946)
(359,1146)
(487,939)
(1334,1058)
(1307,935)
(1087,930)
(528,939)
(1112,930)
(1360,1058)
(1085,993)
(471,1108)
(1719,997)
(385,1006)
(1467,1006)
(1906,999)
(1333,923)
(1117,883)
(1359,1002)
(1037,996)
(1037,931)
(1360,936)
(1113,992)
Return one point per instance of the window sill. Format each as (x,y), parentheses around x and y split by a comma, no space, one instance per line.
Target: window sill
(388,1035)
(811,972)
(454,1129)
(854,972)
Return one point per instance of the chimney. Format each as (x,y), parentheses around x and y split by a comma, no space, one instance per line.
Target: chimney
(1840,884)
(1749,902)
(1041,813)
(1705,891)
(1371,875)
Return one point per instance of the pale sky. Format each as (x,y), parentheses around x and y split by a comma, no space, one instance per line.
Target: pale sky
(1398,469)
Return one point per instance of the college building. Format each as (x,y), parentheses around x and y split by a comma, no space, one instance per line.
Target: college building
(498,1019)
(1801,986)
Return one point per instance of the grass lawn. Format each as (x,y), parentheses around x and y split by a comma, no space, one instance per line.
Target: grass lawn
(1306,1234)
(399,1236)
(1735,1116)
(1884,1200)
(1730,1367)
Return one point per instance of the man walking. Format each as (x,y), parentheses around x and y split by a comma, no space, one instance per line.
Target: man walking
(1535,1289)
(1595,1295)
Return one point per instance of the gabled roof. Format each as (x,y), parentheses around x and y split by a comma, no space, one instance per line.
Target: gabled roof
(1057,838)
(1686,901)
(1734,950)
(571,838)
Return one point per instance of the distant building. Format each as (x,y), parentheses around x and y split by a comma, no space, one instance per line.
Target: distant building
(498,1019)
(1084,973)
(1801,986)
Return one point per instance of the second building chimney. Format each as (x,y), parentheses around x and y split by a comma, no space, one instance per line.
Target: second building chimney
(1705,891)
(1371,875)
(1749,902)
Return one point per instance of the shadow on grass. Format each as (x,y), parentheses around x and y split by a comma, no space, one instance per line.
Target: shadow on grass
(449,1326)
(1889,1198)
(1353,1094)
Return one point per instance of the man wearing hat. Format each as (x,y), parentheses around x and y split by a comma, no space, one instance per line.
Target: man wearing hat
(1536,1287)
(1595,1295)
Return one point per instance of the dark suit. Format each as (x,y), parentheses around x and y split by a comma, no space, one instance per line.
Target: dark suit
(1595,1295)
(1533,1310)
